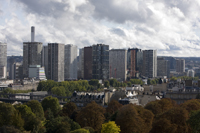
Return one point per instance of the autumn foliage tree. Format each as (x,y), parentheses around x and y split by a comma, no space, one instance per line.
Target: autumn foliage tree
(160,106)
(69,108)
(130,119)
(113,106)
(92,115)
(174,121)
(191,105)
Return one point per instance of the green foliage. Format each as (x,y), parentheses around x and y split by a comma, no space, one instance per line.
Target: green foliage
(94,82)
(51,103)
(136,81)
(46,85)
(194,121)
(152,81)
(58,90)
(31,121)
(173,79)
(10,91)
(106,83)
(36,108)
(110,127)
(69,108)
(129,84)
(80,131)
(9,129)
(17,120)
(7,111)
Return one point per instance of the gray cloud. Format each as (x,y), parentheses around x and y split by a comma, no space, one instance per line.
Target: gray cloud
(118,31)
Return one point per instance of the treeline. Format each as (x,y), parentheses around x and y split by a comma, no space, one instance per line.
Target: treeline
(48,117)
(66,88)
(184,78)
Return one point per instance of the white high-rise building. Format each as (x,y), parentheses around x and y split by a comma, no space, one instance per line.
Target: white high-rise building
(81,64)
(3,60)
(45,59)
(150,63)
(190,73)
(70,62)
(118,64)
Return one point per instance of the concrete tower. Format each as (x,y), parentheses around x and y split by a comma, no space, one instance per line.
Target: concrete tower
(3,60)
(32,53)
(32,34)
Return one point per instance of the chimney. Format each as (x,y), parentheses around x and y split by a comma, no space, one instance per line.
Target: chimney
(32,34)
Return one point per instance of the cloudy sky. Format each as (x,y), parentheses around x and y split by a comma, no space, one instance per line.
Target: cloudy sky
(170,26)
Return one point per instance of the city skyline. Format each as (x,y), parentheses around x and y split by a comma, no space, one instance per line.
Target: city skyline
(171,27)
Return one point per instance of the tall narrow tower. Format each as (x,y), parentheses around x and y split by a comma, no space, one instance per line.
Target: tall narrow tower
(32,34)
(31,53)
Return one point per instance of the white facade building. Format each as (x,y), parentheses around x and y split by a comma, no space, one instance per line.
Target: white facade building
(70,62)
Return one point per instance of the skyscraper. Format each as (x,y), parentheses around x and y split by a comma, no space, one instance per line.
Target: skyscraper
(31,53)
(3,60)
(118,64)
(100,61)
(163,67)
(180,65)
(70,62)
(150,63)
(45,59)
(56,62)
(134,62)
(88,63)
(81,64)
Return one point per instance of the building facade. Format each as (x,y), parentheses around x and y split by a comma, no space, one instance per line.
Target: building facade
(81,64)
(70,62)
(163,67)
(3,60)
(37,72)
(87,63)
(134,62)
(150,63)
(45,59)
(100,61)
(118,64)
(32,53)
(180,65)
(56,61)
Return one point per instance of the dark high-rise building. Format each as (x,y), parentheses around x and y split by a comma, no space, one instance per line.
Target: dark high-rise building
(45,59)
(150,63)
(163,67)
(100,61)
(180,65)
(56,61)
(32,53)
(87,63)
(172,62)
(134,62)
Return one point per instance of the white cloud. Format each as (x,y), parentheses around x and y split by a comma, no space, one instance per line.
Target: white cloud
(170,26)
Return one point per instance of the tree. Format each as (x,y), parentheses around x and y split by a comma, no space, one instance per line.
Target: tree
(46,85)
(176,117)
(113,82)
(80,131)
(113,106)
(58,90)
(31,121)
(194,121)
(69,108)
(51,103)
(129,120)
(9,129)
(17,120)
(6,113)
(106,83)
(147,117)
(110,127)
(129,84)
(149,81)
(136,81)
(36,108)
(94,82)
(160,106)
(191,105)
(55,124)
(92,115)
